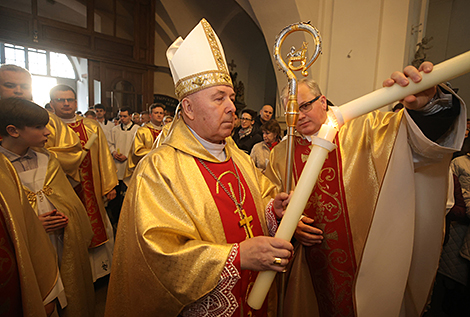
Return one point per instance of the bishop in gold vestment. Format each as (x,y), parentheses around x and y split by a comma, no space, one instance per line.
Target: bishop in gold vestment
(171,247)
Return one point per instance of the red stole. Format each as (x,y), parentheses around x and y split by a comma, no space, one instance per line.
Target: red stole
(154,132)
(234,232)
(10,288)
(332,263)
(86,190)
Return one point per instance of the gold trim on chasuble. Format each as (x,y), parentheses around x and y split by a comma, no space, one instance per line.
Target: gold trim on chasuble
(332,263)
(199,81)
(86,190)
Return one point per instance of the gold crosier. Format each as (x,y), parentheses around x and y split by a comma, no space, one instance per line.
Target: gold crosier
(292,107)
(245,220)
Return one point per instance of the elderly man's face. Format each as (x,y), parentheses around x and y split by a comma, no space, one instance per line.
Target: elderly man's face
(210,112)
(15,84)
(266,113)
(310,121)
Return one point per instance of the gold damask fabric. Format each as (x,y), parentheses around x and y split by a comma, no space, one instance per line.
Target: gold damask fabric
(75,267)
(395,182)
(65,145)
(35,255)
(141,146)
(170,247)
(104,169)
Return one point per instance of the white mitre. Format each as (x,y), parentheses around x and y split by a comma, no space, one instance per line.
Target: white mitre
(198,62)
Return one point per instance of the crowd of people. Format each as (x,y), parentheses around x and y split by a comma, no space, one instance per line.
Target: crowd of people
(182,210)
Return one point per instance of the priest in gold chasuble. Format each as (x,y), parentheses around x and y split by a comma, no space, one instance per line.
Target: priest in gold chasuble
(370,240)
(97,178)
(191,236)
(144,138)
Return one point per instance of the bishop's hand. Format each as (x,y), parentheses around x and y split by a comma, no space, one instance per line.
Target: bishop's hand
(265,253)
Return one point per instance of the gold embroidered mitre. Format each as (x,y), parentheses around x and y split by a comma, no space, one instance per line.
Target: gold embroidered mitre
(198,62)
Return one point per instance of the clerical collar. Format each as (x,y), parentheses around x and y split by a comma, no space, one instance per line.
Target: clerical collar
(128,126)
(71,120)
(158,127)
(309,137)
(217,150)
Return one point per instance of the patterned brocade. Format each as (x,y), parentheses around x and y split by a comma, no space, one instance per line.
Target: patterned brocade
(332,263)
(194,83)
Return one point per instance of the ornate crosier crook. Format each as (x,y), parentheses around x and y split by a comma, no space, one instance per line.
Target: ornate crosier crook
(294,57)
(297,61)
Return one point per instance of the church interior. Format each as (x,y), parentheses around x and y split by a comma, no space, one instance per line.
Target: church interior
(113,52)
(115,49)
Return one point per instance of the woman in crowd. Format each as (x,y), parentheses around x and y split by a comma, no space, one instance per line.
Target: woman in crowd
(271,137)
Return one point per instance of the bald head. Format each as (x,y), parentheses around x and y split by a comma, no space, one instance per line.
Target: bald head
(266,113)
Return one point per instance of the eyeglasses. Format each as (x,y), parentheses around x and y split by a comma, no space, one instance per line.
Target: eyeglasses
(245,119)
(63,100)
(306,107)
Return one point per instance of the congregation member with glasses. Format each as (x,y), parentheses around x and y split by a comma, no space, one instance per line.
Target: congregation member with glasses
(245,136)
(97,177)
(361,251)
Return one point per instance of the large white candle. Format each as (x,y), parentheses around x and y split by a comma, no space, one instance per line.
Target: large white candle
(442,72)
(294,210)
(88,145)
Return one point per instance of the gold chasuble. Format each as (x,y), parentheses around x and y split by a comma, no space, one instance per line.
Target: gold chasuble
(65,145)
(75,267)
(380,200)
(141,145)
(183,216)
(28,270)
(97,177)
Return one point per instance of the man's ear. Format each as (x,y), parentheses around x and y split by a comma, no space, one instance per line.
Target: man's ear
(13,131)
(187,105)
(324,104)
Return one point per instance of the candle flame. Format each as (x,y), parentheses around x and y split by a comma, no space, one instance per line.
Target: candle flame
(331,121)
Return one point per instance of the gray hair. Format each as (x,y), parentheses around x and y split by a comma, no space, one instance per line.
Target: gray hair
(311,84)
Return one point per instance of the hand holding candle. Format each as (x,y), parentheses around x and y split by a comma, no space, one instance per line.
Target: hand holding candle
(322,145)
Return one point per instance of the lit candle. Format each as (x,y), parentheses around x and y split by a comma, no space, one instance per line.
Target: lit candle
(442,72)
(294,210)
